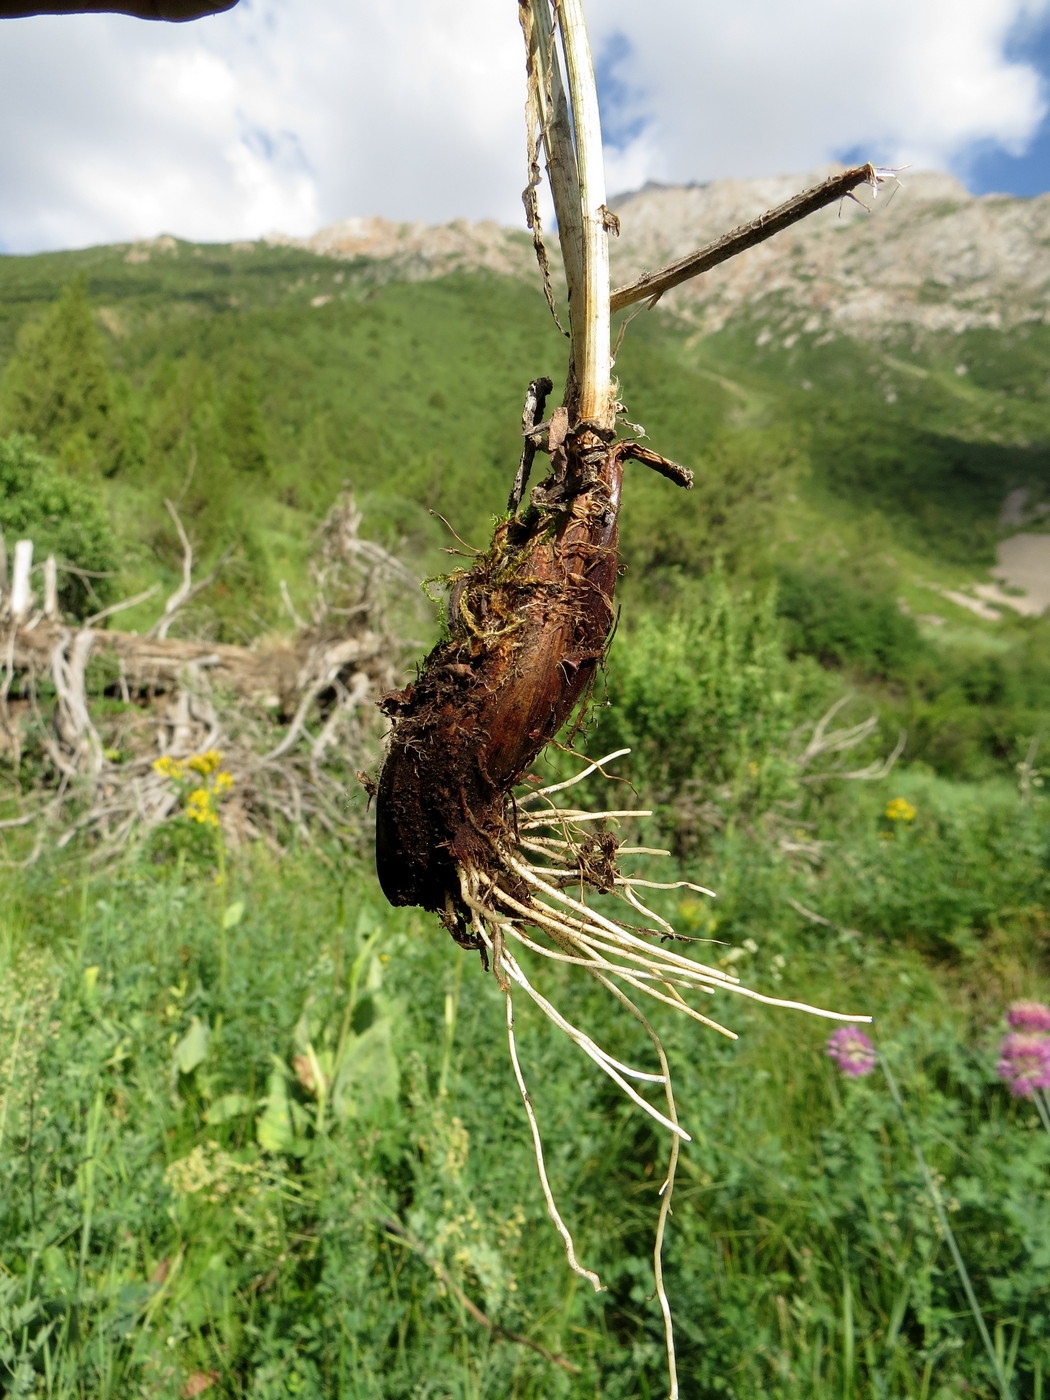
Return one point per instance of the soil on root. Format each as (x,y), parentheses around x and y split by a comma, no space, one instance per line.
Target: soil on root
(528,626)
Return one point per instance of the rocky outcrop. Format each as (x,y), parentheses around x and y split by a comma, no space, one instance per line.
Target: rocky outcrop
(929,256)
(417,251)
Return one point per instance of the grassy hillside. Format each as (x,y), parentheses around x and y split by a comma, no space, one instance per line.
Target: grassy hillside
(258,1135)
(413,392)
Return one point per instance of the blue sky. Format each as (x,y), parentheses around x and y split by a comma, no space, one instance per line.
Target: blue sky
(292,114)
(987,168)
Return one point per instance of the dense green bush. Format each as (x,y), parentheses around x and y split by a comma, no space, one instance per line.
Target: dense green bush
(62,517)
(707,700)
(972,860)
(58,387)
(973,713)
(742,478)
(842,625)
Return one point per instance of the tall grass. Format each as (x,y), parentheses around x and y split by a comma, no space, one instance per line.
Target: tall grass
(293,1184)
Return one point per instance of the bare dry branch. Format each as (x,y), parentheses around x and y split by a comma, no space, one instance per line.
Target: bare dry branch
(187,589)
(122,606)
(652,285)
(193,696)
(824,741)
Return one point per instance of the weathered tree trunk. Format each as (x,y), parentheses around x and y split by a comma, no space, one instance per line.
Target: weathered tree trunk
(192,696)
(274,678)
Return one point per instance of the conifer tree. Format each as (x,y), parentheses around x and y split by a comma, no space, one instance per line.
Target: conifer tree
(58,387)
(242,423)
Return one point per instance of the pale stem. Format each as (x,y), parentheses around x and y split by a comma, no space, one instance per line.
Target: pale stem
(662,884)
(936,1201)
(555,818)
(594,1052)
(652,285)
(21,599)
(574,936)
(632,898)
(592,361)
(623,937)
(557,141)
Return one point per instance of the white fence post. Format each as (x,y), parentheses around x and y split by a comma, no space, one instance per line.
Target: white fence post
(21,596)
(50,587)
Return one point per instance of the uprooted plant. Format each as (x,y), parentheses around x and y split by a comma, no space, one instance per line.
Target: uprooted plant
(528,624)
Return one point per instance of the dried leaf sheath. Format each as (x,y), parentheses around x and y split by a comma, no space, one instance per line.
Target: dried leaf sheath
(528,625)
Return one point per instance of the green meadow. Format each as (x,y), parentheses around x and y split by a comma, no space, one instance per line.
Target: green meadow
(259,1133)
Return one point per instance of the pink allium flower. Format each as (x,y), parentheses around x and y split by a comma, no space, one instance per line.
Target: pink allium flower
(852,1051)
(1028,1016)
(1024,1063)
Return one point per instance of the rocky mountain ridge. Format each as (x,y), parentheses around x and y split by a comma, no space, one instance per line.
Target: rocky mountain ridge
(929,256)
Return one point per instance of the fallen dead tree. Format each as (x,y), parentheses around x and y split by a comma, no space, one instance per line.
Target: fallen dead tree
(292,719)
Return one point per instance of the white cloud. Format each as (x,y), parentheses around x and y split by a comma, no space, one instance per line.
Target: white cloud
(759,87)
(293,113)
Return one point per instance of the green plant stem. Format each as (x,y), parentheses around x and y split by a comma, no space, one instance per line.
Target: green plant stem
(949,1233)
(1041,1107)
(451,1015)
(87,1182)
(224,961)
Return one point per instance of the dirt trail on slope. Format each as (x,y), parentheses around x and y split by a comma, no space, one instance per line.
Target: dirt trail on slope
(1024,563)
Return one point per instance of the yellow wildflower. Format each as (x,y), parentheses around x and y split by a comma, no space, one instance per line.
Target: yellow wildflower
(900,810)
(168,767)
(205,763)
(199,808)
(222,783)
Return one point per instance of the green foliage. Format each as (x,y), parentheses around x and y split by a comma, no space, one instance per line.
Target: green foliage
(224,369)
(186,442)
(973,712)
(705,698)
(259,1133)
(842,625)
(973,861)
(242,423)
(255,1185)
(58,387)
(62,517)
(742,478)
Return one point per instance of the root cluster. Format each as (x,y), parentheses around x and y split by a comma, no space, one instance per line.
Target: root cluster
(529,902)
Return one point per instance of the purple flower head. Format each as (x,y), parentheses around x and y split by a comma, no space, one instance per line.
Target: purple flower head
(852,1051)
(1024,1063)
(1028,1016)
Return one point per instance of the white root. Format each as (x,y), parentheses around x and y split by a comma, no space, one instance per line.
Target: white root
(552,1209)
(621,956)
(593,767)
(666,1190)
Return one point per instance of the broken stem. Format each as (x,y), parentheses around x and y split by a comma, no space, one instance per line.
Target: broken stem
(653,284)
(591,358)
